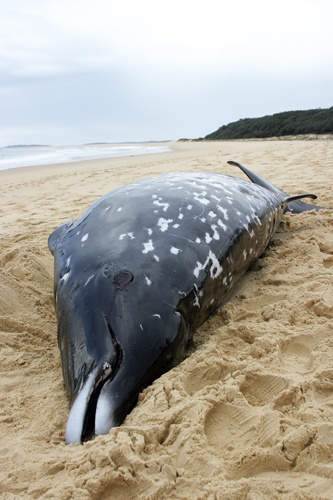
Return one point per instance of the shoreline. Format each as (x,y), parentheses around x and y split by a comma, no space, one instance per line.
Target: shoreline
(248,411)
(112,147)
(182,145)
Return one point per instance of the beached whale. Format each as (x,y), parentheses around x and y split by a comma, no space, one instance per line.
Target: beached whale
(142,268)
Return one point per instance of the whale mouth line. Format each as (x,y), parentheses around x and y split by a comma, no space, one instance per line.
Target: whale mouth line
(107,374)
(117,348)
(88,427)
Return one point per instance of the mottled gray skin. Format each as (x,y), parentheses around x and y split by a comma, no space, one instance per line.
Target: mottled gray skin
(136,275)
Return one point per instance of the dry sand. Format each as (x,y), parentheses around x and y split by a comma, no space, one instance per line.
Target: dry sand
(248,415)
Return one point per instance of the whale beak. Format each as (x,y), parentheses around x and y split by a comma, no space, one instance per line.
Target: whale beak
(82,416)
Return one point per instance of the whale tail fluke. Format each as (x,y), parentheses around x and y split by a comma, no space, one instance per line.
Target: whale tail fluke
(291,203)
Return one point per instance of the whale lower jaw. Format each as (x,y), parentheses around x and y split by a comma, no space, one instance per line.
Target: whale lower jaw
(103,417)
(98,414)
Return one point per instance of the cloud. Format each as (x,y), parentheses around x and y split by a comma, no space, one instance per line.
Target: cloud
(135,70)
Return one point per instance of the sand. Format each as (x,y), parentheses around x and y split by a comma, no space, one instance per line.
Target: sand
(248,415)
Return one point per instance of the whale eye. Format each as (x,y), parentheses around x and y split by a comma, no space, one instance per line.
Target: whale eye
(106,370)
(122,278)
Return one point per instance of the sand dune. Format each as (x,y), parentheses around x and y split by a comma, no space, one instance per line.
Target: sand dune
(249,414)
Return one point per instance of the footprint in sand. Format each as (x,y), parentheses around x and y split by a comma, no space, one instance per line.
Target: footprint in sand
(260,389)
(251,442)
(296,354)
(227,426)
(205,375)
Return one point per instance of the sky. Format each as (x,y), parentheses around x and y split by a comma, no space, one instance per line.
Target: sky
(78,71)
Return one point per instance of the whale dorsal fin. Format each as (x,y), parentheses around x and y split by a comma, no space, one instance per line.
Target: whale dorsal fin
(257,179)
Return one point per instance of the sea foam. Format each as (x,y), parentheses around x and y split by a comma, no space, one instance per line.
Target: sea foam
(25,156)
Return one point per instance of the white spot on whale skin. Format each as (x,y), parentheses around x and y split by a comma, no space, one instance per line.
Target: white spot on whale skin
(90,278)
(78,233)
(215,269)
(141,327)
(202,200)
(163,224)
(198,240)
(196,302)
(244,254)
(220,223)
(156,258)
(165,205)
(175,226)
(189,207)
(118,209)
(208,238)
(68,261)
(212,214)
(175,250)
(148,247)
(180,216)
(64,278)
(148,281)
(256,218)
(216,235)
(84,237)
(157,316)
(224,211)
(197,294)
(150,231)
(130,235)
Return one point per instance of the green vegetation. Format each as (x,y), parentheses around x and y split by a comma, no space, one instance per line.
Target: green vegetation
(313,121)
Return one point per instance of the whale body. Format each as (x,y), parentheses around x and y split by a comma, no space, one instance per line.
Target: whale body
(140,271)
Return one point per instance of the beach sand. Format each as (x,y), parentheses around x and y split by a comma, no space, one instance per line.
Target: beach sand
(248,415)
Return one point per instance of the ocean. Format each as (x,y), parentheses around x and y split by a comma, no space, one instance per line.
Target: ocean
(25,156)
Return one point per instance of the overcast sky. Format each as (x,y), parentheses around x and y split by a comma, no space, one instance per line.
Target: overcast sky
(76,71)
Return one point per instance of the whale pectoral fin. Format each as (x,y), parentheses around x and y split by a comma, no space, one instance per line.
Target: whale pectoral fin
(57,233)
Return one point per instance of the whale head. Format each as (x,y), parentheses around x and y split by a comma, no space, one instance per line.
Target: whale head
(109,350)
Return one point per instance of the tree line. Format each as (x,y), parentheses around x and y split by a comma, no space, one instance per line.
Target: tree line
(313,121)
